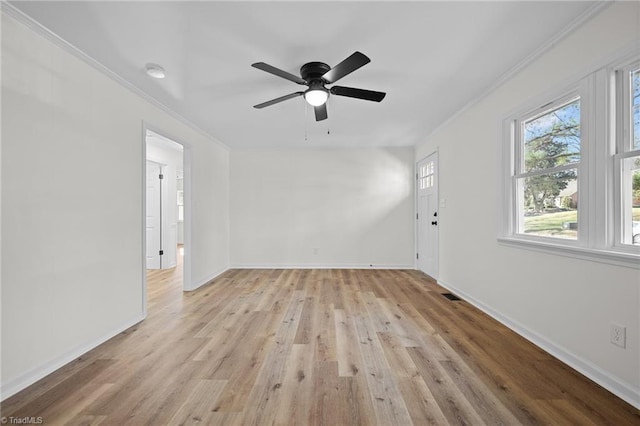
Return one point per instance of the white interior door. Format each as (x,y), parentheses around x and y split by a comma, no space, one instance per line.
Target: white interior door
(153,216)
(427,215)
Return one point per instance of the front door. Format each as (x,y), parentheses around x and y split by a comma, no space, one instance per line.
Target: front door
(427,215)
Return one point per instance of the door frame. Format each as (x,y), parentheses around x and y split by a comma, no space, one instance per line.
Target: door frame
(417,208)
(187,182)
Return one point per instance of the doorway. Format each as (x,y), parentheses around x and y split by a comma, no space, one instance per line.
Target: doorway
(154,210)
(166,229)
(427,215)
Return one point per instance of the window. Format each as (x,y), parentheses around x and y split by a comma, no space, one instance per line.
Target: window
(571,169)
(427,175)
(628,152)
(547,170)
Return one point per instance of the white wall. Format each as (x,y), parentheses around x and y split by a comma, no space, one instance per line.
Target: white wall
(322,208)
(565,305)
(72,191)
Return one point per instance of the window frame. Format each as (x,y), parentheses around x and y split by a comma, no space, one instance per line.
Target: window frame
(426,176)
(520,173)
(624,148)
(513,150)
(599,171)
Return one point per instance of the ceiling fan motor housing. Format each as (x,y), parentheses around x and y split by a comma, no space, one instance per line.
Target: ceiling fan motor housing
(312,72)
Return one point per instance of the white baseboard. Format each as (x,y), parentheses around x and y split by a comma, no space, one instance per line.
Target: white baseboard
(197,284)
(19,383)
(619,388)
(324,266)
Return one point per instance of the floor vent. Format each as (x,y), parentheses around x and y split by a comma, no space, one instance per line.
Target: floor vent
(451,296)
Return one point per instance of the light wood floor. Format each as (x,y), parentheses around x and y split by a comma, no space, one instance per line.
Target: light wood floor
(316,347)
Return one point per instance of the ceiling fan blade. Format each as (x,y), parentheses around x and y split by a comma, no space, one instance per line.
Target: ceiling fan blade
(277,71)
(345,67)
(321,112)
(352,92)
(280,99)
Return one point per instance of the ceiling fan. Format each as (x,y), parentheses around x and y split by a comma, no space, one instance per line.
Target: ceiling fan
(316,75)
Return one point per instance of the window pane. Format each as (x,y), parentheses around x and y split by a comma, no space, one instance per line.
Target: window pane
(635,107)
(553,139)
(550,204)
(631,201)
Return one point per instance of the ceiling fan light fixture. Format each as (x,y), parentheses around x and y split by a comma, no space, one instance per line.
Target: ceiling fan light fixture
(154,70)
(315,75)
(316,96)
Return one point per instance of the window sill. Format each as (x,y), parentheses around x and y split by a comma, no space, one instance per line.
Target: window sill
(611,256)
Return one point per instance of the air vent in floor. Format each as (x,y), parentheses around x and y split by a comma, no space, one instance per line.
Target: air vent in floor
(451,296)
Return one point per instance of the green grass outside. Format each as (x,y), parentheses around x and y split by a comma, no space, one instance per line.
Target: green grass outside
(551,224)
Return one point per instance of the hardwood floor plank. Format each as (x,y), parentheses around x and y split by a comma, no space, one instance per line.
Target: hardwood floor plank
(352,303)
(480,398)
(266,392)
(400,363)
(86,420)
(326,340)
(224,341)
(307,327)
(421,404)
(401,325)
(453,404)
(270,293)
(315,347)
(200,404)
(340,400)
(389,407)
(431,340)
(297,387)
(237,352)
(380,320)
(236,393)
(347,345)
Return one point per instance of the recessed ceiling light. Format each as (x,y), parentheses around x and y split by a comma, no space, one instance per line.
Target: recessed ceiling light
(154,70)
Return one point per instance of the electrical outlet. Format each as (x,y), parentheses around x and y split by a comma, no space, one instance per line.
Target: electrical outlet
(619,335)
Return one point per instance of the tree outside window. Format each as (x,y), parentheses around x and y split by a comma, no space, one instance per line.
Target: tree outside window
(551,154)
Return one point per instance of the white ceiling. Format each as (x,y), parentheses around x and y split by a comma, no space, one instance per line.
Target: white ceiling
(432,59)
